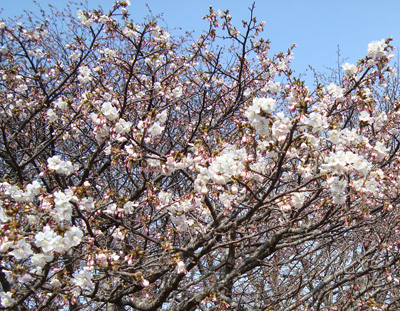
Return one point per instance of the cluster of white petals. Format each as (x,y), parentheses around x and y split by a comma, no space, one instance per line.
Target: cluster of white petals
(281,126)
(346,137)
(229,163)
(85,18)
(380,151)
(365,117)
(376,49)
(109,111)
(62,210)
(272,87)
(122,126)
(350,69)
(83,279)
(20,195)
(155,129)
(22,249)
(341,162)
(254,114)
(51,115)
(298,199)
(335,91)
(171,165)
(316,121)
(49,241)
(130,33)
(337,187)
(177,92)
(85,75)
(59,166)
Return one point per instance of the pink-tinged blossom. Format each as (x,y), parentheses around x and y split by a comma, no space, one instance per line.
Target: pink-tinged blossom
(3,49)
(104,19)
(40,260)
(365,117)
(13,191)
(5,245)
(268,105)
(177,92)
(59,166)
(229,163)
(380,151)
(162,117)
(33,188)
(298,199)
(84,75)
(380,120)
(55,283)
(281,126)
(22,88)
(377,48)
(129,207)
(109,52)
(36,53)
(85,18)
(111,209)
(272,87)
(51,115)
(22,250)
(165,197)
(337,187)
(253,114)
(109,111)
(83,279)
(46,239)
(19,195)
(75,55)
(312,140)
(335,91)
(86,204)
(122,126)
(62,245)
(130,33)
(156,129)
(62,210)
(316,121)
(341,162)
(61,104)
(73,236)
(182,222)
(346,137)
(350,69)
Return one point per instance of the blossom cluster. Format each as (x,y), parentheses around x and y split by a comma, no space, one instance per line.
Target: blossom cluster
(230,163)
(152,163)
(59,166)
(21,195)
(254,113)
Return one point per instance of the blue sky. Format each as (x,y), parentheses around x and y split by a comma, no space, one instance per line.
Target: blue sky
(316,26)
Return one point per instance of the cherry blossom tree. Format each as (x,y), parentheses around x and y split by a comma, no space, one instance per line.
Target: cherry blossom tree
(142,171)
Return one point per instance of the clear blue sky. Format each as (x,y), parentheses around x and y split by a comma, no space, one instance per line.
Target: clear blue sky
(316,26)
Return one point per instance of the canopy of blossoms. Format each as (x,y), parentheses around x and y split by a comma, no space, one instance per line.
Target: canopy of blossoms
(140,171)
